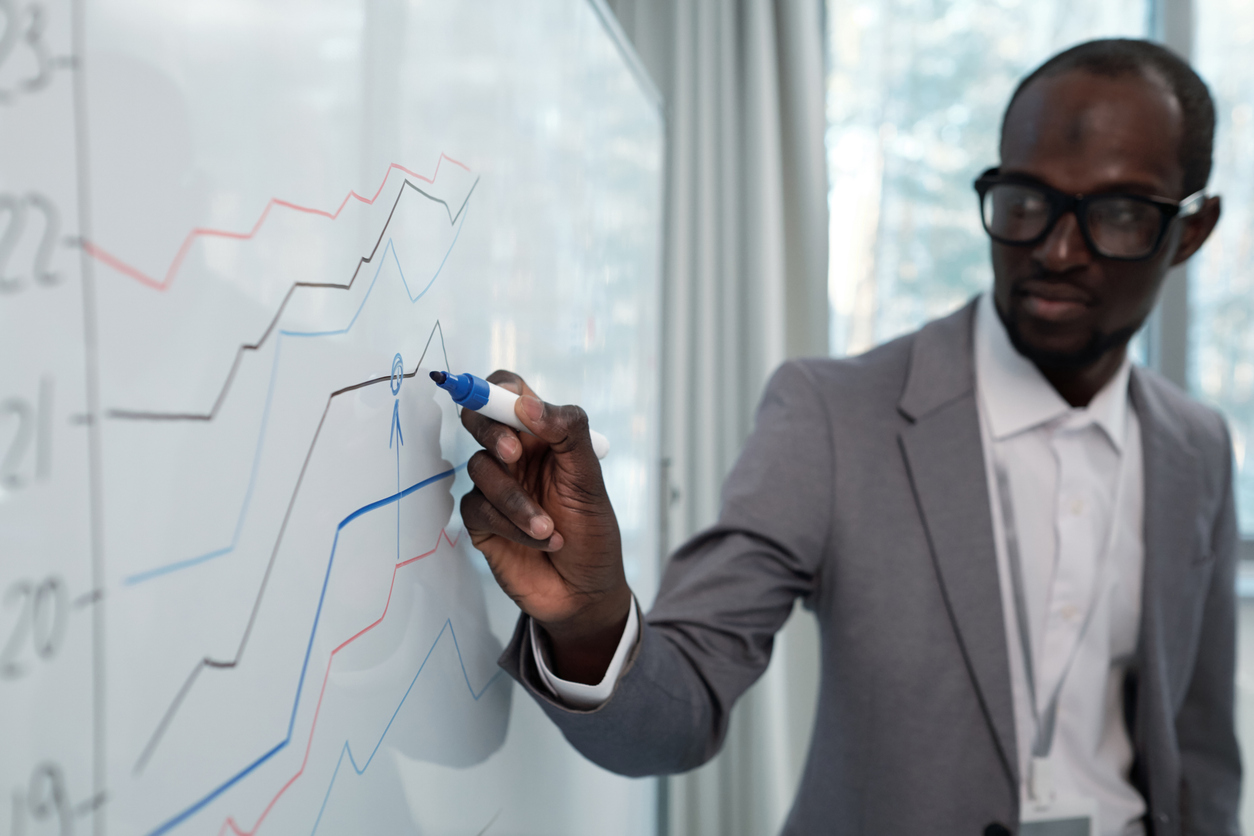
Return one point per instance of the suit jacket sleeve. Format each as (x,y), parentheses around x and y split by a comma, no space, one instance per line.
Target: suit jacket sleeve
(722,598)
(1209,755)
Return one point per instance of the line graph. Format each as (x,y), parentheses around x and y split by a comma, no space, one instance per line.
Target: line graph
(199,805)
(121,266)
(218,224)
(230,822)
(150,574)
(138,415)
(347,749)
(207,662)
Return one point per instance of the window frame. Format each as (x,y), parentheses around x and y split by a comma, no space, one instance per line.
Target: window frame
(1171,23)
(1167,333)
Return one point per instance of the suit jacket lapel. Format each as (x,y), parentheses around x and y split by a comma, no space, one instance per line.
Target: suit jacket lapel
(945,459)
(1176,541)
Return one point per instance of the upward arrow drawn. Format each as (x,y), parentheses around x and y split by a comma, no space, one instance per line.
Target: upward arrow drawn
(396,424)
(400,439)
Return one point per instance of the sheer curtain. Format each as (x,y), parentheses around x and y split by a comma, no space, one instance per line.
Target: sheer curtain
(745,276)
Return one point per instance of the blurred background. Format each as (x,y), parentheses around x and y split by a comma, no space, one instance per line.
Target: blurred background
(821,160)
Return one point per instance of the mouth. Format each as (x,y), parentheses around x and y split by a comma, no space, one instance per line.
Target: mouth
(1053,301)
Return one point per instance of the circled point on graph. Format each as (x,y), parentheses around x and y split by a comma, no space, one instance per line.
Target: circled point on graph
(398,373)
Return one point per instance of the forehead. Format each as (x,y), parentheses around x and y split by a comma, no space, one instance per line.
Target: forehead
(1082,132)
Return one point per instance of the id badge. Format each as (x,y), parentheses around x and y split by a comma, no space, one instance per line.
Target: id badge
(1055,813)
(1066,816)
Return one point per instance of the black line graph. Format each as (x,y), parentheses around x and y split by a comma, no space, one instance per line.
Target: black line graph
(138,415)
(227,664)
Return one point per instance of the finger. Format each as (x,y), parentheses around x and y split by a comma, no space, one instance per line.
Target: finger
(564,428)
(500,440)
(481,517)
(513,382)
(495,437)
(503,492)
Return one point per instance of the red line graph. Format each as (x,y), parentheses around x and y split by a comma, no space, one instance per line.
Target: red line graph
(110,260)
(230,822)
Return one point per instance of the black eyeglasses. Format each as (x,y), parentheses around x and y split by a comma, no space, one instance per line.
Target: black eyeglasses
(1127,227)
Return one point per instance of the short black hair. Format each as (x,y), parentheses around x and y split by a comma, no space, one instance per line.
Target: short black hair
(1114,57)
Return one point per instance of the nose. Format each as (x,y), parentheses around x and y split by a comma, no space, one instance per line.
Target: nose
(1064,248)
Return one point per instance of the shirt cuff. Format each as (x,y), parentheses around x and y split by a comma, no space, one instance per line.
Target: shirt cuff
(577,695)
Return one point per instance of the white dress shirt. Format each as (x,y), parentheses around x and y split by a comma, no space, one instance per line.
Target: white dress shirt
(576,694)
(1080,543)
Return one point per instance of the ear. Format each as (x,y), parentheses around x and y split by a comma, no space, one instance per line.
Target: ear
(1196,230)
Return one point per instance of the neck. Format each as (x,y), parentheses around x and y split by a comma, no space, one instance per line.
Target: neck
(1079,386)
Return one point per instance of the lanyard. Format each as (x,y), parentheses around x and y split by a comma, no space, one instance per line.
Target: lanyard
(1045,719)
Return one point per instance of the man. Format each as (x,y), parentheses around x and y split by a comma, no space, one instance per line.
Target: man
(1021,550)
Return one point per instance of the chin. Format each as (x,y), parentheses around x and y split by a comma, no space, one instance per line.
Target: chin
(1064,352)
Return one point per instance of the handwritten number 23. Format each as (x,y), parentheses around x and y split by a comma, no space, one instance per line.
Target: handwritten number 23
(24,26)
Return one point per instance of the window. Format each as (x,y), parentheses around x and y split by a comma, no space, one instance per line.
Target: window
(915,95)
(1221,295)
(1221,277)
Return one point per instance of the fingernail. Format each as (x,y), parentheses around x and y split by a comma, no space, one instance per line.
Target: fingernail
(532,407)
(540,527)
(556,542)
(507,447)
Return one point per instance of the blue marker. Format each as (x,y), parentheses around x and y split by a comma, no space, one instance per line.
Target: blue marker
(496,403)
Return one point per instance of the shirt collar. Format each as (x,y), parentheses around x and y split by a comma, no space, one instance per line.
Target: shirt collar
(1017,397)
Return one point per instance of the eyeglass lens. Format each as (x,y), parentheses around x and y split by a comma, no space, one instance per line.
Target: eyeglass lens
(1121,227)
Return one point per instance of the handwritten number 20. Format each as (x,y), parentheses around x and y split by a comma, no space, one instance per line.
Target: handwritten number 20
(42,614)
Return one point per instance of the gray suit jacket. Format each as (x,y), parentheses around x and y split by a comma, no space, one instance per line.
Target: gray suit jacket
(863,490)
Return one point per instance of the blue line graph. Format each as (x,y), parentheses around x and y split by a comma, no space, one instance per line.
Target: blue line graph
(300,685)
(168,568)
(347,749)
(140,577)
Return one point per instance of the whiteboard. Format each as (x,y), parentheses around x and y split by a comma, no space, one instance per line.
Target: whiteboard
(235,595)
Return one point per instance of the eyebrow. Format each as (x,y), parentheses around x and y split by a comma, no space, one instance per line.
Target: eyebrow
(1137,187)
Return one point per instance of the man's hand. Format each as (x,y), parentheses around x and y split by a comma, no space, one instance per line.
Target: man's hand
(541,517)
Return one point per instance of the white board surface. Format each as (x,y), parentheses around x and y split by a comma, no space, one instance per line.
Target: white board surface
(235,594)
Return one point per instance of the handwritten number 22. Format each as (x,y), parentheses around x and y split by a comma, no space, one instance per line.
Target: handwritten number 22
(16,211)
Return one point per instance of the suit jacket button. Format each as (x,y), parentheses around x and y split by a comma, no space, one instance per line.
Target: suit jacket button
(997,829)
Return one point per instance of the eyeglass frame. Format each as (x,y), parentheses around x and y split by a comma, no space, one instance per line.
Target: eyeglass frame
(1061,203)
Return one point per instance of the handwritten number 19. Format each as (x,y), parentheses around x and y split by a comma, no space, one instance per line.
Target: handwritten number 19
(46,799)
